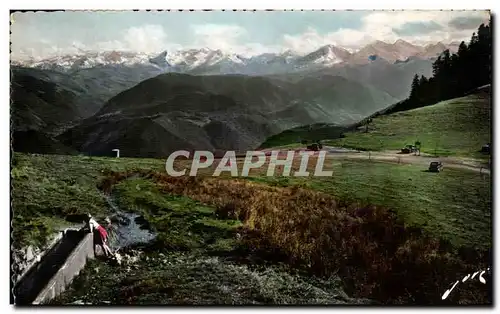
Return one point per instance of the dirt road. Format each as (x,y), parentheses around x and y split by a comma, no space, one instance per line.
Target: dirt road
(423,160)
(396,157)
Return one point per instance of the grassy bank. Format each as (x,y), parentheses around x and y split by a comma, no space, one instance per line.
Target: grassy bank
(454,127)
(454,205)
(50,192)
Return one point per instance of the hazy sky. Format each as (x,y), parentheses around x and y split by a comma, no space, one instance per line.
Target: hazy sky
(44,34)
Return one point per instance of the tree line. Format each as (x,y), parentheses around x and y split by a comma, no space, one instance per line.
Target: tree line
(453,75)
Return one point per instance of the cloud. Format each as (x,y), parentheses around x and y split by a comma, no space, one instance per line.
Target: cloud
(312,39)
(418,27)
(146,38)
(149,38)
(224,37)
(230,38)
(463,22)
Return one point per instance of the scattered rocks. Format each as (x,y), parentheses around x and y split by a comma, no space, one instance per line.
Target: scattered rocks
(128,259)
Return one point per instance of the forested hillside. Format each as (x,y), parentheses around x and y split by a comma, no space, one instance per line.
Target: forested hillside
(454,75)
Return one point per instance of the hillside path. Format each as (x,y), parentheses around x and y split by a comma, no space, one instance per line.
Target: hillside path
(394,156)
(424,159)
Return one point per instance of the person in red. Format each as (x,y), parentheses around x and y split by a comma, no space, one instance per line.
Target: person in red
(100,236)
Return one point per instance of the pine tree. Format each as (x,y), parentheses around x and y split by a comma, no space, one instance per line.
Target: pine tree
(414,87)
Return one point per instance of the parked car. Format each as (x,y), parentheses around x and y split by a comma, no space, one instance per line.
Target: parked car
(314,147)
(436,166)
(409,149)
(486,148)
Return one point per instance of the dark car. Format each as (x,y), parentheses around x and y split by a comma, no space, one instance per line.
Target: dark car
(408,149)
(436,166)
(315,146)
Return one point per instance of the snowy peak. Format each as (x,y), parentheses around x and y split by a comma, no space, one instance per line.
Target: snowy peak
(434,50)
(406,50)
(161,60)
(192,58)
(327,55)
(400,50)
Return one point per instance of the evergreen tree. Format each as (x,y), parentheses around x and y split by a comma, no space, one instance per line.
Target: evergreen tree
(414,87)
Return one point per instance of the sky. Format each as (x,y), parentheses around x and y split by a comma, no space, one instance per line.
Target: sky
(41,35)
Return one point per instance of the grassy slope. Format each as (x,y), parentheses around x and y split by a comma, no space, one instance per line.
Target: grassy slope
(292,137)
(46,189)
(442,204)
(454,127)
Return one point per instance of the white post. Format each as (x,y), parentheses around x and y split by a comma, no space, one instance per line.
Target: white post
(117,152)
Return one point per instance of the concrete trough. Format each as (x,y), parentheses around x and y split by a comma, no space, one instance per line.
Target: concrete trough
(56,270)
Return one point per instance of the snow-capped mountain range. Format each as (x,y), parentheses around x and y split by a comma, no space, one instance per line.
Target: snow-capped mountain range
(208,61)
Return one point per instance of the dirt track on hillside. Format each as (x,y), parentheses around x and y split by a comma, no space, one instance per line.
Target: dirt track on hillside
(423,160)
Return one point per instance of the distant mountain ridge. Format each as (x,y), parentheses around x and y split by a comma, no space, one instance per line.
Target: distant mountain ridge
(206,61)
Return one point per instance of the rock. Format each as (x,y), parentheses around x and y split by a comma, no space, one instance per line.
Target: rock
(29,253)
(141,221)
(120,219)
(118,258)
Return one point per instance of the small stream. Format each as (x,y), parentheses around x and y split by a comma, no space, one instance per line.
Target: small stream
(128,230)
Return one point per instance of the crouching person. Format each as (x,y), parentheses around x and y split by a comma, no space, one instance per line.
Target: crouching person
(100,236)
